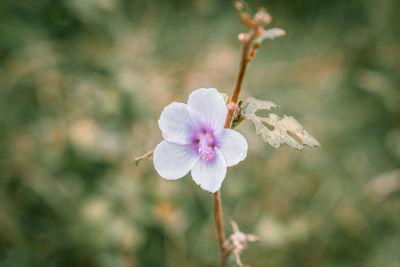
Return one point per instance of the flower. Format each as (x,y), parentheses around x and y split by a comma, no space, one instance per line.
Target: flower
(196,140)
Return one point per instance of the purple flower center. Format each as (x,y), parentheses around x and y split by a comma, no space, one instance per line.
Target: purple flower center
(204,143)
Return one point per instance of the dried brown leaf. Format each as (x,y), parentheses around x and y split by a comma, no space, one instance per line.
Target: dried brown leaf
(277,131)
(269,34)
(252,105)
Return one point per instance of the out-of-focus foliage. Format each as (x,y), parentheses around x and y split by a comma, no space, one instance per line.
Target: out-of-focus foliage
(83,82)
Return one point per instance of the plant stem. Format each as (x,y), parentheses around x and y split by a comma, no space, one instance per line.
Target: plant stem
(219,225)
(239,80)
(232,107)
(218,217)
(243,66)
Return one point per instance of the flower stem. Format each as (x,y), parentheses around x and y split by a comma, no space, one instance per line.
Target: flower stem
(243,66)
(232,108)
(244,61)
(219,225)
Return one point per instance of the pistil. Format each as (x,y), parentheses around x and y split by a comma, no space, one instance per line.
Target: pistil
(205,143)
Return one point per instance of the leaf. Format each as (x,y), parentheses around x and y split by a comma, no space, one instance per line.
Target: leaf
(269,34)
(273,33)
(252,105)
(274,130)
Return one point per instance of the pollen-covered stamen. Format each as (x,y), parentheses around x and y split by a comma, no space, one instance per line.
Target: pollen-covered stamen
(204,144)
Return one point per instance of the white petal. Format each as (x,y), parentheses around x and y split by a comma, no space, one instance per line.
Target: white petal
(232,145)
(207,108)
(175,124)
(173,161)
(209,175)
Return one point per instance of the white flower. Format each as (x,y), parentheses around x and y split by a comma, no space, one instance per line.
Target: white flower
(196,140)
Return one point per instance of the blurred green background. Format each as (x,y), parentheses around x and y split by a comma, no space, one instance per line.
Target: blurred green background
(82,85)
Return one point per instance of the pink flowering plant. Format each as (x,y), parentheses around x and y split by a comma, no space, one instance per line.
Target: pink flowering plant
(198,137)
(196,140)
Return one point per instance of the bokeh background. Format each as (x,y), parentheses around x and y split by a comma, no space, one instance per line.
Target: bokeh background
(82,85)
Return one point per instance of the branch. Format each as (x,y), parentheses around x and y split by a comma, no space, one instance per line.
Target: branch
(148,155)
(232,111)
(250,43)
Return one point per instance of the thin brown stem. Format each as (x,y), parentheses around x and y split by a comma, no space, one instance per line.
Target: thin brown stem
(243,64)
(232,109)
(148,155)
(218,217)
(244,61)
(224,257)
(219,225)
